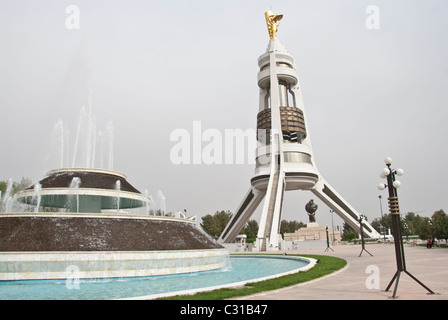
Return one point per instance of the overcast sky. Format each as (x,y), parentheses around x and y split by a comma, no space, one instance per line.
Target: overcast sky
(157,66)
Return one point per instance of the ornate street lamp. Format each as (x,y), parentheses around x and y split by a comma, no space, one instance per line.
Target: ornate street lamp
(382,221)
(332,225)
(361,221)
(328,240)
(392,186)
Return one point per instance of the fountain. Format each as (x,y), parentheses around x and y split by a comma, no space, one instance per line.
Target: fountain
(7,200)
(74,187)
(90,145)
(87,224)
(161,203)
(37,189)
(118,188)
(82,220)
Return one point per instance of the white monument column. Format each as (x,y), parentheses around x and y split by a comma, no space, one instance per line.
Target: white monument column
(284,157)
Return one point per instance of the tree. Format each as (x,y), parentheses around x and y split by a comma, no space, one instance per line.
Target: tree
(214,224)
(412,221)
(3,185)
(424,229)
(376,224)
(22,185)
(16,186)
(251,230)
(348,233)
(440,224)
(290,226)
(13,187)
(383,225)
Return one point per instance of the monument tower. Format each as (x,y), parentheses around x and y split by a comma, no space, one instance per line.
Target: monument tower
(284,157)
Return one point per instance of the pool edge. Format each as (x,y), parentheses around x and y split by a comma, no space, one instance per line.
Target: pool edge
(312,263)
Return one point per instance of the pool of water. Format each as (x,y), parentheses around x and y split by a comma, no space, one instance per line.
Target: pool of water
(241,269)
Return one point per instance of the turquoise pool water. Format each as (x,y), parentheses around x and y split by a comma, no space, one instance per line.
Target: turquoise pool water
(243,268)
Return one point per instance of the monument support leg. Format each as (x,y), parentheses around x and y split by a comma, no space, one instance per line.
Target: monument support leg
(245,210)
(267,237)
(333,200)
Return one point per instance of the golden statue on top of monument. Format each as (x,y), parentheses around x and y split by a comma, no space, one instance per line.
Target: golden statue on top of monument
(272,21)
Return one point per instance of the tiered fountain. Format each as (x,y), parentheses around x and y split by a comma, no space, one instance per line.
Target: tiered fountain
(90,229)
(79,190)
(82,221)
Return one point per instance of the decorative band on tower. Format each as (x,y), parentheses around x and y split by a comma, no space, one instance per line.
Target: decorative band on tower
(393,205)
(293,124)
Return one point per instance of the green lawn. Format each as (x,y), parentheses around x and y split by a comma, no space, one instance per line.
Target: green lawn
(326,266)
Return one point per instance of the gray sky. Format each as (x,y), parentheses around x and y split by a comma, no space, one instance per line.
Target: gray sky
(159,66)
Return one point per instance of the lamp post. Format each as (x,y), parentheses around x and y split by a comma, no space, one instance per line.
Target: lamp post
(382,222)
(328,240)
(361,218)
(392,186)
(332,226)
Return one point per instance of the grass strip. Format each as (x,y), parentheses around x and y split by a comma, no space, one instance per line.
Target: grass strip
(325,266)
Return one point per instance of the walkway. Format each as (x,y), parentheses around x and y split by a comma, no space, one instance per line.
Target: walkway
(430,266)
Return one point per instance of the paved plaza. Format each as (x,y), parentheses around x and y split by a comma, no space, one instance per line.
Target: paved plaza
(356,281)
